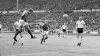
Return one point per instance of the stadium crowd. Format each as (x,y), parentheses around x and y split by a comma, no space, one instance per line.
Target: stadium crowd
(91,18)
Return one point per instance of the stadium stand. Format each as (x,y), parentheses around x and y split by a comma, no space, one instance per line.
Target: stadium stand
(91,17)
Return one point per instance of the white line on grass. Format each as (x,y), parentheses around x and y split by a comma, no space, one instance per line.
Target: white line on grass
(44,53)
(95,49)
(41,53)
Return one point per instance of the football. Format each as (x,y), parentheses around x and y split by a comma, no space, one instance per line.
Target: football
(65,15)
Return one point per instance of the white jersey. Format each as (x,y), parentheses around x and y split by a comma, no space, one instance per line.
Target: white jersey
(65,15)
(22,23)
(24,12)
(0,26)
(80,24)
(17,26)
(64,26)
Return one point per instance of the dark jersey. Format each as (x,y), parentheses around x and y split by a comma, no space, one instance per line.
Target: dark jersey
(45,27)
(25,16)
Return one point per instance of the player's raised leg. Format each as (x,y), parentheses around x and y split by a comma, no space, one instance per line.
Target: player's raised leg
(28,30)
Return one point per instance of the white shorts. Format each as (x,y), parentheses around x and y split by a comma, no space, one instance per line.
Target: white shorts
(22,23)
(60,31)
(45,32)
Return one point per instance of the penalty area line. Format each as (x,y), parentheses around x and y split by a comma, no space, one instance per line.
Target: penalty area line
(95,49)
(44,53)
(40,53)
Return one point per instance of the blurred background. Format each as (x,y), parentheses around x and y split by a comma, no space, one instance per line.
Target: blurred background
(51,11)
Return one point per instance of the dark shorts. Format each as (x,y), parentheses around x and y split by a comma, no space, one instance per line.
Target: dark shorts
(45,29)
(0,29)
(64,30)
(17,29)
(80,30)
